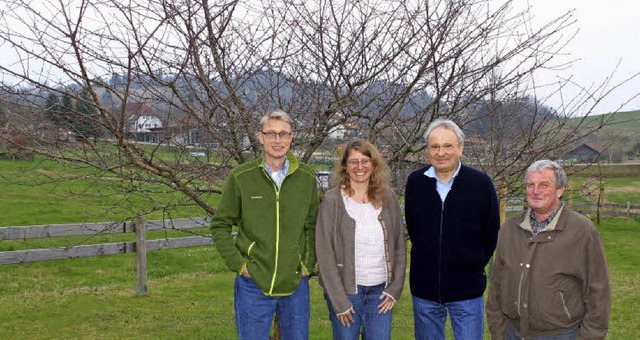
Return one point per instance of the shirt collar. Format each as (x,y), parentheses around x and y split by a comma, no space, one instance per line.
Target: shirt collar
(532,215)
(283,170)
(550,223)
(431,172)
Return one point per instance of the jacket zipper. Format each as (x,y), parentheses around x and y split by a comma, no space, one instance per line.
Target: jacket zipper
(275,268)
(277,191)
(520,290)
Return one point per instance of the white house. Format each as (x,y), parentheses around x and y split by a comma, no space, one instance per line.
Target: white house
(338,132)
(145,123)
(141,118)
(142,123)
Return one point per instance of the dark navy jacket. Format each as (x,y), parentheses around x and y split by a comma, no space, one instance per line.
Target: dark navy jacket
(451,242)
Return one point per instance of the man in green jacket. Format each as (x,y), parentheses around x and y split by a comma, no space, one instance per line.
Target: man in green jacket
(273,201)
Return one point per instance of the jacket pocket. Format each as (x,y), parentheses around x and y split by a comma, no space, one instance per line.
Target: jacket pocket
(250,248)
(564,305)
(245,245)
(561,309)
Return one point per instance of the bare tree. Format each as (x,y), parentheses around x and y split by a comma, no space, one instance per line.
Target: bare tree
(380,69)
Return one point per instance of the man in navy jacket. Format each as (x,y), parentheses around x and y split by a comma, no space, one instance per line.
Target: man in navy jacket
(453,218)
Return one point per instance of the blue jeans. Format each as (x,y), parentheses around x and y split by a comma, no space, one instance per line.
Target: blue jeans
(568,334)
(467,319)
(254,311)
(373,324)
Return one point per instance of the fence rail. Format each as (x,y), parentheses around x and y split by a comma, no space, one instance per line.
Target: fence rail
(91,250)
(141,245)
(60,230)
(588,208)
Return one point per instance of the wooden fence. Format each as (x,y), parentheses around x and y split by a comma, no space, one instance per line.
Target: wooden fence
(627,211)
(139,246)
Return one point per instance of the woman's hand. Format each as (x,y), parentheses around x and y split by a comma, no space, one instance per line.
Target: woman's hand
(346,319)
(386,305)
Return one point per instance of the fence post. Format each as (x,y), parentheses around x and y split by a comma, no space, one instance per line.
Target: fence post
(628,212)
(503,204)
(570,194)
(600,198)
(141,254)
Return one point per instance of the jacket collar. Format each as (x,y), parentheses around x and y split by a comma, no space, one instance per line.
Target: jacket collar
(293,162)
(553,225)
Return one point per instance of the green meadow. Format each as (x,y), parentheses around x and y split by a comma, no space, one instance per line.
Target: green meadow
(45,192)
(190,290)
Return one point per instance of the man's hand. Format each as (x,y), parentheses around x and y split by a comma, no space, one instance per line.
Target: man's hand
(245,273)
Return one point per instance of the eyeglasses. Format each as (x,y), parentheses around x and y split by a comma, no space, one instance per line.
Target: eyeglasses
(444,147)
(273,134)
(365,162)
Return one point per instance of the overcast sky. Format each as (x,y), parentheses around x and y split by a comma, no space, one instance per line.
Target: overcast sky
(608,34)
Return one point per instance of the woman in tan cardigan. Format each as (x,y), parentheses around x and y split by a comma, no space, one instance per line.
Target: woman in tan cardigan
(360,245)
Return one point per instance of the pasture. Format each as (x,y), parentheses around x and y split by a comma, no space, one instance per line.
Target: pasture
(190,290)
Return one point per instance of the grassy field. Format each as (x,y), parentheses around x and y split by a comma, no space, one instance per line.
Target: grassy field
(618,190)
(190,290)
(49,193)
(620,124)
(190,296)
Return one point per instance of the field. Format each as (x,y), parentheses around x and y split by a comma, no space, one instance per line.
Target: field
(621,123)
(35,192)
(190,290)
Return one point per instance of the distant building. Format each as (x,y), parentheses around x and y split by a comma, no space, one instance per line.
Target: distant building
(343,128)
(586,153)
(142,123)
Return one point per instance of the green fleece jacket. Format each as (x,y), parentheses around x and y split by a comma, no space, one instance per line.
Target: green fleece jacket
(276,226)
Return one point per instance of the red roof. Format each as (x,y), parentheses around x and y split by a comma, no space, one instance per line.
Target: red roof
(138,109)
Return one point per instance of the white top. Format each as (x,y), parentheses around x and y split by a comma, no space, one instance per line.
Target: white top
(371,267)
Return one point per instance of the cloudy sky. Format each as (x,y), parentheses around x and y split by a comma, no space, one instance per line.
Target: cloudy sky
(607,48)
(609,35)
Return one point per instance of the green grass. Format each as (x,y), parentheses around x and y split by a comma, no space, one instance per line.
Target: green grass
(618,124)
(627,122)
(44,192)
(191,295)
(190,289)
(622,190)
(622,246)
(616,190)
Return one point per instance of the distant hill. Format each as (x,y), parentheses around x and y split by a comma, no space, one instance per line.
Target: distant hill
(620,123)
(620,135)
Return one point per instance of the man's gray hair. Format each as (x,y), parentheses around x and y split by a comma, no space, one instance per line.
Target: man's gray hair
(541,165)
(447,124)
(276,115)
